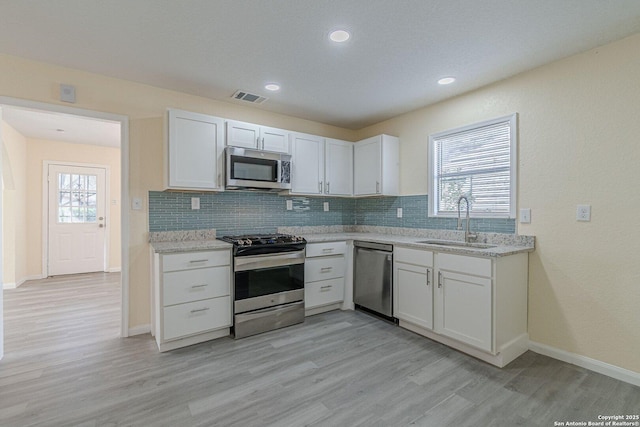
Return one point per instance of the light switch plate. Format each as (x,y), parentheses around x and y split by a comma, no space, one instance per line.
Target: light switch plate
(399,213)
(289,205)
(325,206)
(136,204)
(195,203)
(583,213)
(525,216)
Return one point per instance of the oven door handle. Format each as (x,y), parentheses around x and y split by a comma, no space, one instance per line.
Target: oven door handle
(268,261)
(269,311)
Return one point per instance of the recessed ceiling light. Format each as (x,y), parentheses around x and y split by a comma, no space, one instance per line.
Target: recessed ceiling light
(339,36)
(272,87)
(446,80)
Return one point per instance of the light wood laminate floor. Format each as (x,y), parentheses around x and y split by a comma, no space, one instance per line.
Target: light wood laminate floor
(65,365)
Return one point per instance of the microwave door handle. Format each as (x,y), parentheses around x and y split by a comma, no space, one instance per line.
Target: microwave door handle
(279,174)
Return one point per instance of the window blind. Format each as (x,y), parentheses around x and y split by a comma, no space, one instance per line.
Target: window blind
(474,162)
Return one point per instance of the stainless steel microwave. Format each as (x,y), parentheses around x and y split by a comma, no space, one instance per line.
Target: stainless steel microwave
(257,169)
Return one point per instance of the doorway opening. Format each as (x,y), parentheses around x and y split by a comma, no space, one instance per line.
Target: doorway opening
(77,209)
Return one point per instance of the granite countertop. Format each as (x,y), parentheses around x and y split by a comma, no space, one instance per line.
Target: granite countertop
(189,246)
(166,242)
(505,244)
(409,241)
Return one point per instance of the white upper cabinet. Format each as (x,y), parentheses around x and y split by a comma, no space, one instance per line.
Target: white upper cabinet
(377,166)
(307,164)
(195,148)
(321,166)
(338,167)
(248,135)
(273,139)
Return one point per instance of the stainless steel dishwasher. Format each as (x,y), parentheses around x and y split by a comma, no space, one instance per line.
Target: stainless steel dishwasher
(373,277)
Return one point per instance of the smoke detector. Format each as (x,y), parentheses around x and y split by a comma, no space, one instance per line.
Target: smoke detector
(243,95)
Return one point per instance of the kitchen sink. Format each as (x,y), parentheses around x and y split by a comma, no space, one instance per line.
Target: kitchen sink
(458,244)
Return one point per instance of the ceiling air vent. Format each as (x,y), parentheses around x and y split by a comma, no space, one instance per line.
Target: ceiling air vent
(242,95)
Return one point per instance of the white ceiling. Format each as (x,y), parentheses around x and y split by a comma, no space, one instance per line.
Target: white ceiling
(62,127)
(398,49)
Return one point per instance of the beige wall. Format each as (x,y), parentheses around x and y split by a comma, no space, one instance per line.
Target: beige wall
(39,151)
(579,144)
(146,107)
(14,203)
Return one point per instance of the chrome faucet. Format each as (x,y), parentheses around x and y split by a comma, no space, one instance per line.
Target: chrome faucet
(468,237)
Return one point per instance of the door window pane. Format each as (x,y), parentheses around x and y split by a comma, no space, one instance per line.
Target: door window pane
(77,198)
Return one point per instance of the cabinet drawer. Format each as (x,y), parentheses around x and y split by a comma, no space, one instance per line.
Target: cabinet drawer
(326,248)
(323,268)
(413,256)
(323,292)
(193,285)
(465,264)
(195,317)
(190,260)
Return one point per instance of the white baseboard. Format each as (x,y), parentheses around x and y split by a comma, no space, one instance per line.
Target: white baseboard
(603,368)
(114,270)
(14,285)
(139,330)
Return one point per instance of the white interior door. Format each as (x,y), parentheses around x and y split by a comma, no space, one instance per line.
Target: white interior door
(77,196)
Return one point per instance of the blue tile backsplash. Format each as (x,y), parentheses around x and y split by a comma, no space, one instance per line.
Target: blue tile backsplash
(236,212)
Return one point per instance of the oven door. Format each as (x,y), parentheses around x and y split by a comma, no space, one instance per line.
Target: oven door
(268,280)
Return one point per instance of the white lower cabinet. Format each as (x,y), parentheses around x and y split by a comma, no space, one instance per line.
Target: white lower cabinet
(191,297)
(475,304)
(465,309)
(413,286)
(324,276)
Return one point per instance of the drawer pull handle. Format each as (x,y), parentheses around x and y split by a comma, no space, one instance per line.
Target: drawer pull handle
(326,269)
(198,260)
(199,310)
(325,288)
(327,249)
(199,286)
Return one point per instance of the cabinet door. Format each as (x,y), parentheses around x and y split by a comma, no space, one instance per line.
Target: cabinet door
(415,294)
(338,167)
(307,165)
(240,134)
(465,309)
(272,139)
(324,292)
(195,150)
(367,167)
(182,320)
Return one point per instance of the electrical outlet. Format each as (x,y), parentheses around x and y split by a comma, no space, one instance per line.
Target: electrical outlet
(525,216)
(195,203)
(583,213)
(399,213)
(289,205)
(325,206)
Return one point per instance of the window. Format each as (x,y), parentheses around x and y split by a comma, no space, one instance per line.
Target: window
(477,161)
(76,198)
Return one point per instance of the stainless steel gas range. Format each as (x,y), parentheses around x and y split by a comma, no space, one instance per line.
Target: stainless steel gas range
(268,282)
